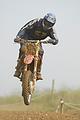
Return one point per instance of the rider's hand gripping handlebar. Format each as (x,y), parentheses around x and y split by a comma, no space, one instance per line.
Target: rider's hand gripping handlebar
(23,41)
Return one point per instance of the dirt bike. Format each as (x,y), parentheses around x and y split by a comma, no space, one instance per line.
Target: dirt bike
(29,69)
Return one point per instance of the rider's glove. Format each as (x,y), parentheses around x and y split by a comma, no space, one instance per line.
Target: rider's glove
(17,39)
(53,41)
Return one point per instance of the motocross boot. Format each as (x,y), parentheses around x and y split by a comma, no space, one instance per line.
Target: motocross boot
(17,72)
(39,77)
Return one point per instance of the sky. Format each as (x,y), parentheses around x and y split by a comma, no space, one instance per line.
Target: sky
(61,63)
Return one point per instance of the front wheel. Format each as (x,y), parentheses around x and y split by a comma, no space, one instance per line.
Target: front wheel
(27,86)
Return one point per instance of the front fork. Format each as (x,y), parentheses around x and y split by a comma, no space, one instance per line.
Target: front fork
(35,63)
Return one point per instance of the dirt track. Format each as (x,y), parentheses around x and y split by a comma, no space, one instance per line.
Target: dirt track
(13,115)
(33,112)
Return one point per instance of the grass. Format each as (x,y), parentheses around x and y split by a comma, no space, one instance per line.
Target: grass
(45,101)
(10,99)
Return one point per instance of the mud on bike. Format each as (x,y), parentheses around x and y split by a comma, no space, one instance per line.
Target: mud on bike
(29,60)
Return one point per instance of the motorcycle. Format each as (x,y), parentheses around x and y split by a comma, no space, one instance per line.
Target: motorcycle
(29,61)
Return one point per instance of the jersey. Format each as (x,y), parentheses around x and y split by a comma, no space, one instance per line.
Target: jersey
(34,30)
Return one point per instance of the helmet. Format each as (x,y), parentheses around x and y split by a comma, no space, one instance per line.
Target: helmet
(49,20)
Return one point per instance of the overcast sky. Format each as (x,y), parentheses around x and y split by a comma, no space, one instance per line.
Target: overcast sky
(60,62)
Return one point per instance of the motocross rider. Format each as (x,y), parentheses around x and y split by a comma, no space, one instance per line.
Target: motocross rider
(38,29)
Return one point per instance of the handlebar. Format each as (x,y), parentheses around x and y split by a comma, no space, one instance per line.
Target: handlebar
(23,41)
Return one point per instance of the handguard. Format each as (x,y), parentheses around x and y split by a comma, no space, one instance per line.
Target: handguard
(53,41)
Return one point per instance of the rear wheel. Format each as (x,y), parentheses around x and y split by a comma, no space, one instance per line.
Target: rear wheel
(27,86)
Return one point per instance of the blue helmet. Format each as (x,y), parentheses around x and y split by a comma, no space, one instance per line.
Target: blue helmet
(49,20)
